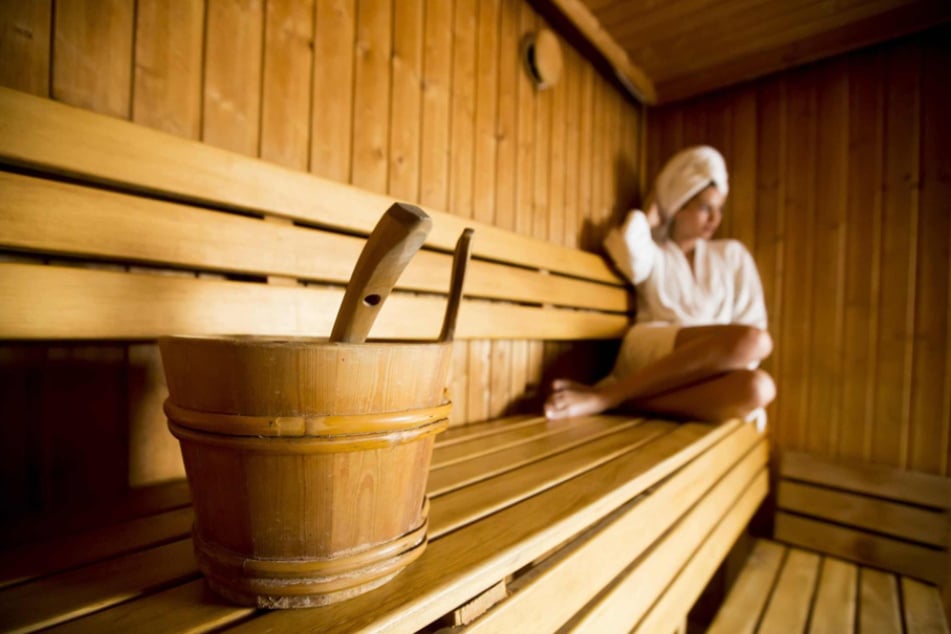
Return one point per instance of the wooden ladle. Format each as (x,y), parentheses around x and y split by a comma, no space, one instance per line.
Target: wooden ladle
(394,241)
(460,261)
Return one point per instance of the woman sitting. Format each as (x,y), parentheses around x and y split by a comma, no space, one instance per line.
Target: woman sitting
(700,331)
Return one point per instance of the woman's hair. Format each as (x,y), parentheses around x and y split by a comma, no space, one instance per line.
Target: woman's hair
(685,175)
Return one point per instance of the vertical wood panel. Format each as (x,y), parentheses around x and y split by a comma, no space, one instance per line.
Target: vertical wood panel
(332,120)
(25,45)
(286,92)
(930,406)
(825,373)
(744,163)
(437,77)
(232,103)
(571,85)
(92,55)
(371,95)
(799,255)
(585,145)
(863,255)
(770,192)
(406,105)
(557,166)
(168,66)
(851,235)
(896,298)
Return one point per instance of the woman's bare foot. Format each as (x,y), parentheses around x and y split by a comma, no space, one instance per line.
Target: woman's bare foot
(570,398)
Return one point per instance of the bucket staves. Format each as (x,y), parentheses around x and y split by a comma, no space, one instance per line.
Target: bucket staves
(307,460)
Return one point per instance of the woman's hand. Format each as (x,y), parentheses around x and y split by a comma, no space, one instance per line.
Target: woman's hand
(653,215)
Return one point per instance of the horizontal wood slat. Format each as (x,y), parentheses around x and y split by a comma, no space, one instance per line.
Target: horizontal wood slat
(673,606)
(80,303)
(50,136)
(895,519)
(633,594)
(507,540)
(449,573)
(556,589)
(905,558)
(100,585)
(51,217)
(871,479)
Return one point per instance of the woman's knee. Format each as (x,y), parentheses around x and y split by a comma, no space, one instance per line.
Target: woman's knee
(748,344)
(760,388)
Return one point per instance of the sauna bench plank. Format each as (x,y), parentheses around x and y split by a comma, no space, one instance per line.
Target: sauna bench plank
(548,487)
(785,589)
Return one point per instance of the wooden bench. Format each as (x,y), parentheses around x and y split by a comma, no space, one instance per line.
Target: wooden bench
(858,545)
(113,232)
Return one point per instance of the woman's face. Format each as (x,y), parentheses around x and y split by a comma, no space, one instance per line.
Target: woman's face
(700,217)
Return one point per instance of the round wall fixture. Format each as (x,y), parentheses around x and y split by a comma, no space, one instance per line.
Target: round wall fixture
(541,54)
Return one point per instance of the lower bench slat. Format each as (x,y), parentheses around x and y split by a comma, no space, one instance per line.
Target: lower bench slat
(922,607)
(464,563)
(741,612)
(878,602)
(158,588)
(785,589)
(55,599)
(834,608)
(632,596)
(561,587)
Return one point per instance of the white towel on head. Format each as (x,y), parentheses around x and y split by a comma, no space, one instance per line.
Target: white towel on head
(684,176)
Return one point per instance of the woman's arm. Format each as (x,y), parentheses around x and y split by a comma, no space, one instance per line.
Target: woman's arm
(631,247)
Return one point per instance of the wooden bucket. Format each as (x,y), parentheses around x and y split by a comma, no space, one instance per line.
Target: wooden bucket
(307,460)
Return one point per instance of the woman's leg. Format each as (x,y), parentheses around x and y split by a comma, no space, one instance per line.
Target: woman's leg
(699,353)
(730,395)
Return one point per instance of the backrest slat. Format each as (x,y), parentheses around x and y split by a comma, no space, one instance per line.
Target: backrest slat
(55,138)
(51,217)
(81,303)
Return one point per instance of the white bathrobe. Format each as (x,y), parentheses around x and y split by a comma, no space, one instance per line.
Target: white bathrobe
(723,288)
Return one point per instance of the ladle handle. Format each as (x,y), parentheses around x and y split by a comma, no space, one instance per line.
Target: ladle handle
(460,261)
(396,238)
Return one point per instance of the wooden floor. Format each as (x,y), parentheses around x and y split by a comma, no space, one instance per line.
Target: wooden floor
(537,505)
(788,590)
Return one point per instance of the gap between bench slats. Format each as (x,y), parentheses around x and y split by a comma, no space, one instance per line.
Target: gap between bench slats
(157,567)
(52,217)
(92,304)
(50,136)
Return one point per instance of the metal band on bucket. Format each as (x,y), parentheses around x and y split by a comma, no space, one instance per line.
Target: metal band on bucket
(290,426)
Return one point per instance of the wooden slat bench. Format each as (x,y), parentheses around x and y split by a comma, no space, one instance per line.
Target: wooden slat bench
(859,547)
(650,505)
(113,232)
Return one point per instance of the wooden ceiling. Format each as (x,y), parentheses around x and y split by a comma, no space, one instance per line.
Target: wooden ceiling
(673,49)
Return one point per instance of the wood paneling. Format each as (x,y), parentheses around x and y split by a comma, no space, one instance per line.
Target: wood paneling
(840,190)
(425,100)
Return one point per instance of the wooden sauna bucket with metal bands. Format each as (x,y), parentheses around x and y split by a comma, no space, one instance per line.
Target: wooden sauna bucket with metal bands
(307,460)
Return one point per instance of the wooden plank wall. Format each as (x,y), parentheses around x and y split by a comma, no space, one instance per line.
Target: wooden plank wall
(422,99)
(841,182)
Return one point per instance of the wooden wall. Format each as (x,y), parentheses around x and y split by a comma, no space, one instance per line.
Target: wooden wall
(841,188)
(422,99)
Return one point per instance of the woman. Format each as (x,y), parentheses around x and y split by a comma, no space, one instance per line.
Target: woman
(700,331)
